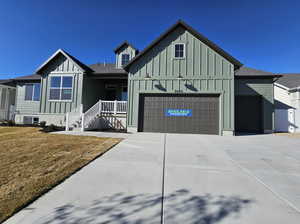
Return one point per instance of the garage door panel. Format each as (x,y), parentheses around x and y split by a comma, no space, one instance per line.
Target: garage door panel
(204,117)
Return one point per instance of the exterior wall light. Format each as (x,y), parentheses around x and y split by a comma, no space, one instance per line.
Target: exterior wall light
(148,76)
(179,77)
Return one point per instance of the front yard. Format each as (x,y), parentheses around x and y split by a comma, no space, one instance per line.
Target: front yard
(32,162)
(292,135)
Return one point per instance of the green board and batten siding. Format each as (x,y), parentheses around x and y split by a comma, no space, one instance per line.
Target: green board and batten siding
(61,66)
(259,87)
(205,69)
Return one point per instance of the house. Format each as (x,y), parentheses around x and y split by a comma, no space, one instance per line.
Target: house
(7,100)
(287,103)
(182,82)
(64,85)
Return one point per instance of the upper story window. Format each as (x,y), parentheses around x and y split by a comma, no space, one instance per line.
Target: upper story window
(32,92)
(61,88)
(179,50)
(124,59)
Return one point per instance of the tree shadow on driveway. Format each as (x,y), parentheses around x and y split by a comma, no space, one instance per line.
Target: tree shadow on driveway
(179,207)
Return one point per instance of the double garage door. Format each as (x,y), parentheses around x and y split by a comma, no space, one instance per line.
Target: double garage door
(179,113)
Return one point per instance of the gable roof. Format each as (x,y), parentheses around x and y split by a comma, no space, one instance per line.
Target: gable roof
(290,80)
(251,72)
(106,68)
(201,37)
(125,43)
(81,65)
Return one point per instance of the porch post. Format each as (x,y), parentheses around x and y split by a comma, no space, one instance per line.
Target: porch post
(82,122)
(115,107)
(100,107)
(67,121)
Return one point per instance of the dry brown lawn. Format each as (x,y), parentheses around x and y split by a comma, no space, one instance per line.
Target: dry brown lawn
(292,135)
(32,162)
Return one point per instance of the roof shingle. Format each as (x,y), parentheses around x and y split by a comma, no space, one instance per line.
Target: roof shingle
(106,68)
(246,71)
(291,80)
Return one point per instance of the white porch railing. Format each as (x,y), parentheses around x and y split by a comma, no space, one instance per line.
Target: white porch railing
(107,107)
(114,107)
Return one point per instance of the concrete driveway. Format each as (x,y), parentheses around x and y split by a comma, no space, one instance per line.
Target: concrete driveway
(172,178)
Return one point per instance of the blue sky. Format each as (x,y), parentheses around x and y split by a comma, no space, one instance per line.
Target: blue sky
(261,34)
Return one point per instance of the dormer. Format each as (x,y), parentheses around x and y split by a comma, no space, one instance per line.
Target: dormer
(124,53)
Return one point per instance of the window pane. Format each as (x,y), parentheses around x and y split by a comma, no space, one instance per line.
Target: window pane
(179,50)
(124,96)
(28,92)
(66,94)
(125,59)
(54,94)
(67,82)
(180,54)
(55,81)
(36,94)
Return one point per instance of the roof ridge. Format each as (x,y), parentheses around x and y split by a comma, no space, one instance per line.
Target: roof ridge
(193,32)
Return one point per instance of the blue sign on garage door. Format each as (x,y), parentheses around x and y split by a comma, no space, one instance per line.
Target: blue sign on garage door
(178,112)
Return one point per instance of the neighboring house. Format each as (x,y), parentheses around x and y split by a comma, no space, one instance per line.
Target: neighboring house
(7,100)
(287,103)
(182,82)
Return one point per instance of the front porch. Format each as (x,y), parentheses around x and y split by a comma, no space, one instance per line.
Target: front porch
(104,104)
(103,115)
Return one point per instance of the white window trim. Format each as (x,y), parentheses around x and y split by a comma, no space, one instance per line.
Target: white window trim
(121,58)
(61,83)
(32,92)
(184,50)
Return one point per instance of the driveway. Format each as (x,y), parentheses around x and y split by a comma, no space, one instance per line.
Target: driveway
(202,179)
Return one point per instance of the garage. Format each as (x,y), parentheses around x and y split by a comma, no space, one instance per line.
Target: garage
(179,113)
(248,114)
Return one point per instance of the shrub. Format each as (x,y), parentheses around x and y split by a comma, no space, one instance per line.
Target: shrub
(43,124)
(11,123)
(52,128)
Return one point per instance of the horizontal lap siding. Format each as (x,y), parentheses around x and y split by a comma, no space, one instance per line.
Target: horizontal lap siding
(205,70)
(61,66)
(23,106)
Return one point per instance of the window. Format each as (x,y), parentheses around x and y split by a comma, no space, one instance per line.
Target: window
(61,88)
(3,98)
(179,50)
(32,92)
(125,59)
(124,93)
(30,120)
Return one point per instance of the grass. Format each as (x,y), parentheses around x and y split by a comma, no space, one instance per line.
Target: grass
(32,162)
(292,135)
